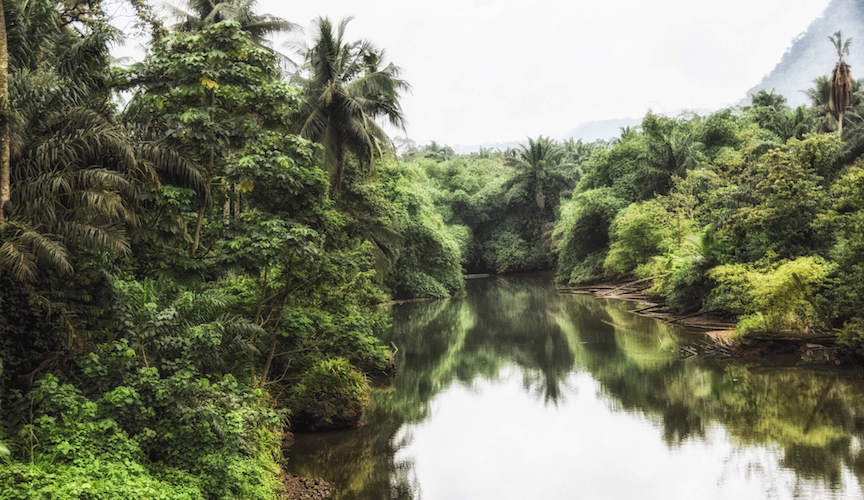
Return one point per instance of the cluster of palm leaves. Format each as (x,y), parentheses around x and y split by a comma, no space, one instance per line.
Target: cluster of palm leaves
(347,89)
(543,172)
(76,168)
(71,162)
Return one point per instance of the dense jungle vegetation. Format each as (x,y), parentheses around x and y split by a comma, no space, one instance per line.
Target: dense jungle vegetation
(194,249)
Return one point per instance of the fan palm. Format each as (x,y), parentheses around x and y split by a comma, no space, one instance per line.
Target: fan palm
(346,90)
(842,90)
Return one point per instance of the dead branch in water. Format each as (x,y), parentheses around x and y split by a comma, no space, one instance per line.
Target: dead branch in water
(631,283)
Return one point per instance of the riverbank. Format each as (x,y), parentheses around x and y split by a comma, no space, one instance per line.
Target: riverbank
(304,488)
(719,330)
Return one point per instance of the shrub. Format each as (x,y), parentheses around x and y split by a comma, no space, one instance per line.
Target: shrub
(583,233)
(852,333)
(332,394)
(639,232)
(508,251)
(131,433)
(779,299)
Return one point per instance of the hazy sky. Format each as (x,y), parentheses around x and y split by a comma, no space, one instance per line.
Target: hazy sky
(487,71)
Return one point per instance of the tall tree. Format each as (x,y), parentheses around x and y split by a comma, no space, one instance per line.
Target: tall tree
(77,168)
(346,89)
(204,12)
(540,176)
(842,90)
(202,92)
(5,165)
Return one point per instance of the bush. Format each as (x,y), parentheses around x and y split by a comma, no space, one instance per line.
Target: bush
(852,333)
(639,232)
(779,299)
(583,234)
(507,251)
(331,395)
(129,432)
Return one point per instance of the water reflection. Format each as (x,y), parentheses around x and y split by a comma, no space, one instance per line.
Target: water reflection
(516,392)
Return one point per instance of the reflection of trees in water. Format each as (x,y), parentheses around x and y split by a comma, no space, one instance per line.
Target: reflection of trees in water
(816,418)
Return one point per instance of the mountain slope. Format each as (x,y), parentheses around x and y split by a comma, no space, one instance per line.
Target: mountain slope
(812,55)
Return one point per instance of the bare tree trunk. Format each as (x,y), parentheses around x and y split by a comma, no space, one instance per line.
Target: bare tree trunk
(226,210)
(340,169)
(840,126)
(5,161)
(237,201)
(269,362)
(196,238)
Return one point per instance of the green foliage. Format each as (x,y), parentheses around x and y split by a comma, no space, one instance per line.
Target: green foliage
(639,232)
(330,394)
(845,219)
(346,88)
(852,333)
(173,437)
(583,234)
(428,259)
(771,205)
(779,299)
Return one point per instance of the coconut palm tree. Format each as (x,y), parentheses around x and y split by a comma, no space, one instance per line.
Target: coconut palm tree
(842,91)
(203,12)
(540,174)
(346,89)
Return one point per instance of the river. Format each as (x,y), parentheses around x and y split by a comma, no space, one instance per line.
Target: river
(516,392)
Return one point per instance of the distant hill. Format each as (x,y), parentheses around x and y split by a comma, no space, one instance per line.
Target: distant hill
(602,129)
(812,55)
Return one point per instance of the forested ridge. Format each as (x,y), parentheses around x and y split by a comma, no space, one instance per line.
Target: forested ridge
(195,249)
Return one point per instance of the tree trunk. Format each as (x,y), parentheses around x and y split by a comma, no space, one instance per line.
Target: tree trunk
(840,126)
(226,209)
(196,239)
(5,161)
(268,363)
(340,169)
(237,201)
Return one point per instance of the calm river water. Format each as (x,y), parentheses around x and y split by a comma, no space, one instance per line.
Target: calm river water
(517,392)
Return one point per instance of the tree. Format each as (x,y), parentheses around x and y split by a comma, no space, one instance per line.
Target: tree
(76,167)
(842,90)
(5,166)
(204,91)
(346,89)
(206,12)
(539,177)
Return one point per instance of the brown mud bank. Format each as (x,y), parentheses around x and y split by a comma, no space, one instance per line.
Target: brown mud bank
(718,337)
(303,488)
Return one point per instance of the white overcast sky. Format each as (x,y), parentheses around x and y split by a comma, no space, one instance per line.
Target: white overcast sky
(487,71)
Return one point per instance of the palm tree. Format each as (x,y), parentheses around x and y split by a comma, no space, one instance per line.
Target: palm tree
(259,26)
(346,90)
(842,91)
(77,169)
(5,165)
(539,174)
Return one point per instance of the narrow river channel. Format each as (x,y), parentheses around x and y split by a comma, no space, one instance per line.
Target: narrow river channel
(516,392)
